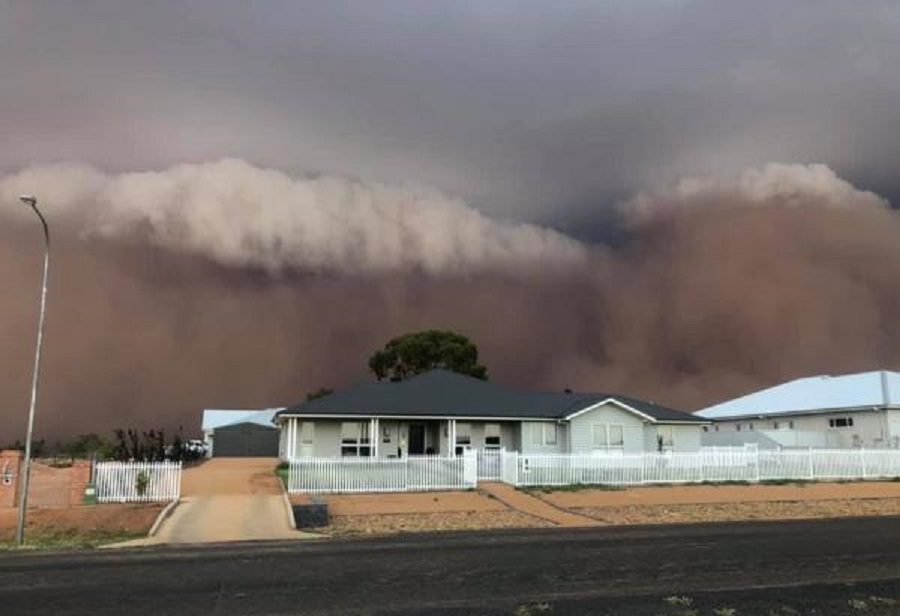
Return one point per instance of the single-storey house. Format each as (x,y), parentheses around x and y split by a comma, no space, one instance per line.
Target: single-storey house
(240,433)
(444,413)
(852,410)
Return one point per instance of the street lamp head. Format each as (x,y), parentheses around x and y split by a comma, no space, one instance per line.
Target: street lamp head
(28,200)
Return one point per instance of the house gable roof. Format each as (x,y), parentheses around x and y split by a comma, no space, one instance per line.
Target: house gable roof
(821,393)
(441,393)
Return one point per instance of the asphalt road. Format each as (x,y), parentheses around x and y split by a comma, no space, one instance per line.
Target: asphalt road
(823,567)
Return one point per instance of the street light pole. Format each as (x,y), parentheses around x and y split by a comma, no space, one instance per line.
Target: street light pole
(35,377)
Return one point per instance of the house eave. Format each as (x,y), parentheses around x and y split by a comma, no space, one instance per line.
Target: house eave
(828,411)
(413,417)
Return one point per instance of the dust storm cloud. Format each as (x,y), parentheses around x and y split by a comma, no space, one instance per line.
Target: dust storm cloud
(227,285)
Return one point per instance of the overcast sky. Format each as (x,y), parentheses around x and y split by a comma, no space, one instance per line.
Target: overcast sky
(541,111)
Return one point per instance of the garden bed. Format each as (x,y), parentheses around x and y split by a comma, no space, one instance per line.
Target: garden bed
(80,527)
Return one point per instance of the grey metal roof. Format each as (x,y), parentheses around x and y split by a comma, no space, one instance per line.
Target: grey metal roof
(441,393)
(217,418)
(812,394)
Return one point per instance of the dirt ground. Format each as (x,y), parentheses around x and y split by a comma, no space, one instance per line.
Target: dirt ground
(369,514)
(421,512)
(224,476)
(426,522)
(110,519)
(684,504)
(726,512)
(412,502)
(681,495)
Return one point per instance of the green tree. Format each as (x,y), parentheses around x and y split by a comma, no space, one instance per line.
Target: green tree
(418,352)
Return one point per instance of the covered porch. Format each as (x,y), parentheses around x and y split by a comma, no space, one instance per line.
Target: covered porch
(383,437)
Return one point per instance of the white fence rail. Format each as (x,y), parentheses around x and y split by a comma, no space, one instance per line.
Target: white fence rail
(127,482)
(710,465)
(410,474)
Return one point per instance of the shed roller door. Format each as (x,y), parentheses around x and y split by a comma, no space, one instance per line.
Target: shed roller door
(245,440)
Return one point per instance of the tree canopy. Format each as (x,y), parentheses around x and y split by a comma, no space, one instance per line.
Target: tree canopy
(419,352)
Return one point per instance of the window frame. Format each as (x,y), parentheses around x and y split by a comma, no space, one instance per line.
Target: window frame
(833,422)
(464,439)
(606,429)
(361,446)
(539,434)
(489,430)
(307,436)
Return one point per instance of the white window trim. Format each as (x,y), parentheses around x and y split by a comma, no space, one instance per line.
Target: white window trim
(606,429)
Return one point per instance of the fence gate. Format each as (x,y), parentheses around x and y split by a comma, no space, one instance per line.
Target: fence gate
(489,464)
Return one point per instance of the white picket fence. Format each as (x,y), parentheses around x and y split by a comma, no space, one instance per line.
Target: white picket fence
(128,482)
(708,465)
(410,474)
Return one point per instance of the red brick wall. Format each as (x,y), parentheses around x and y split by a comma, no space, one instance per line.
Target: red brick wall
(78,480)
(10,463)
(48,487)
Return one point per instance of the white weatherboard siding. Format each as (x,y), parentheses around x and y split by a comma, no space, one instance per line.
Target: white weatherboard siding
(684,437)
(574,436)
(892,419)
(765,439)
(581,440)
(870,429)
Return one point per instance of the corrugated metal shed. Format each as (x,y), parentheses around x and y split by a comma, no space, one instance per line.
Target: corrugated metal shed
(217,418)
(862,391)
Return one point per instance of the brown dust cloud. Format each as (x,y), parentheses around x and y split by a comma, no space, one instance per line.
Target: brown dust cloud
(223,285)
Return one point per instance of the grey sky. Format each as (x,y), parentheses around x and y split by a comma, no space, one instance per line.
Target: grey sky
(541,111)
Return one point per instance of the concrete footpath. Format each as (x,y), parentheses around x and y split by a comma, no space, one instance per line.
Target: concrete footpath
(520,501)
(227,499)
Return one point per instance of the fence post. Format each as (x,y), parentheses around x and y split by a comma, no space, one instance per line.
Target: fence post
(756,462)
(812,474)
(470,468)
(862,461)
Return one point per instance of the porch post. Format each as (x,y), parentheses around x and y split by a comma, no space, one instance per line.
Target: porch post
(292,422)
(373,436)
(451,438)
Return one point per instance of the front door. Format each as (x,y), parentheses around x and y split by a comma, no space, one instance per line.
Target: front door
(416,439)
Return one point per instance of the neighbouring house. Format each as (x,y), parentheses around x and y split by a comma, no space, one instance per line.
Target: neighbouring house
(852,410)
(240,433)
(444,413)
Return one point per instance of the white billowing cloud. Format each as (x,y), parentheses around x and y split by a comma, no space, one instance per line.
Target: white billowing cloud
(241,215)
(790,185)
